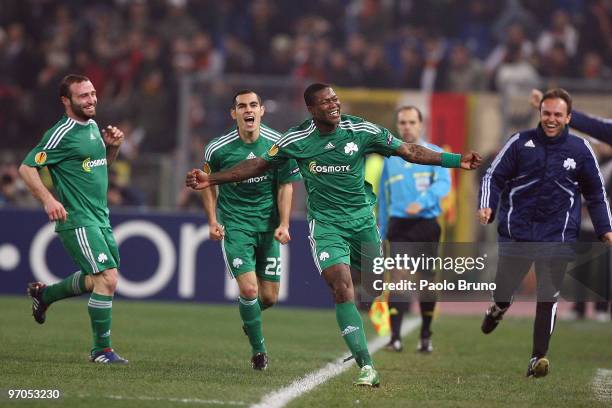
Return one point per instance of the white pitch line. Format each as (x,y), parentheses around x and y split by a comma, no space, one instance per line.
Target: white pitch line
(170,399)
(282,396)
(602,385)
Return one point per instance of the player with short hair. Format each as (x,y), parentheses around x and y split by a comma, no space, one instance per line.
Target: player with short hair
(250,217)
(77,155)
(330,150)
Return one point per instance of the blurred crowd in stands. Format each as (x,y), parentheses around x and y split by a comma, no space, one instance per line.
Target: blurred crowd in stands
(136,51)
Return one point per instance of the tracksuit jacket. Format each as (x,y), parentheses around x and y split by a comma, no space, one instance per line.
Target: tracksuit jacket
(537,181)
(598,128)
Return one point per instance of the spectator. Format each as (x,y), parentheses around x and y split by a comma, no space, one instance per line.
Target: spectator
(340,71)
(8,189)
(562,32)
(465,72)
(281,57)
(238,57)
(596,33)
(120,44)
(516,73)
(177,22)
(376,71)
(516,40)
(475,29)
(264,24)
(556,63)
(150,106)
(412,68)
(356,46)
(593,68)
(207,60)
(12,189)
(434,73)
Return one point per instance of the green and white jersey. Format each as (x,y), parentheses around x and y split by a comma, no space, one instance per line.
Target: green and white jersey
(333,165)
(249,205)
(75,155)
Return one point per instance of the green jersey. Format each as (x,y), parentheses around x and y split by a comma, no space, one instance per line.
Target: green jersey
(75,155)
(251,204)
(333,165)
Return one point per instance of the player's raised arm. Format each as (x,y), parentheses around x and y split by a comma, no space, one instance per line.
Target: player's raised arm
(198,180)
(113,137)
(415,153)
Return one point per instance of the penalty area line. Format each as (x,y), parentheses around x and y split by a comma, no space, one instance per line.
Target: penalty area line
(282,396)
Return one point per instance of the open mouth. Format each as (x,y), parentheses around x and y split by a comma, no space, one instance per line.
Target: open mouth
(334,113)
(249,120)
(551,126)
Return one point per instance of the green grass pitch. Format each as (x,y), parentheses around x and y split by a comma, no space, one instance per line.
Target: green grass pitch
(198,352)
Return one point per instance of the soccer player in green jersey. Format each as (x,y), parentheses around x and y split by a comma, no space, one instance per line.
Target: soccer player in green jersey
(330,150)
(77,155)
(250,217)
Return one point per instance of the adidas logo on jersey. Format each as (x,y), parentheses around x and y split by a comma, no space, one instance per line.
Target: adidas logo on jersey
(251,156)
(530,143)
(91,136)
(329,145)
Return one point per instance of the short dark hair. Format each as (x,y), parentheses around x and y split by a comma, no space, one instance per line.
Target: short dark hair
(312,90)
(558,93)
(244,92)
(64,88)
(409,107)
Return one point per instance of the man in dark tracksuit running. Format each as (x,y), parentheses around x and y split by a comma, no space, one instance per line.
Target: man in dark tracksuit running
(536,179)
(600,129)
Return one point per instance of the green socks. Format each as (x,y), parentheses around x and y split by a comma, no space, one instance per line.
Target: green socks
(99,307)
(73,285)
(100,313)
(351,328)
(250,312)
(262,306)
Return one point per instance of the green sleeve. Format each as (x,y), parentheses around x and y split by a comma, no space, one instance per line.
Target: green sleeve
(276,156)
(211,165)
(289,172)
(383,143)
(47,152)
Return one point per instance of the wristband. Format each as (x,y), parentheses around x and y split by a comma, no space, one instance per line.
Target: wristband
(451,160)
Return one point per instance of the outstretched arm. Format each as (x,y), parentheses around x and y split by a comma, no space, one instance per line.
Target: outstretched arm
(415,153)
(198,180)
